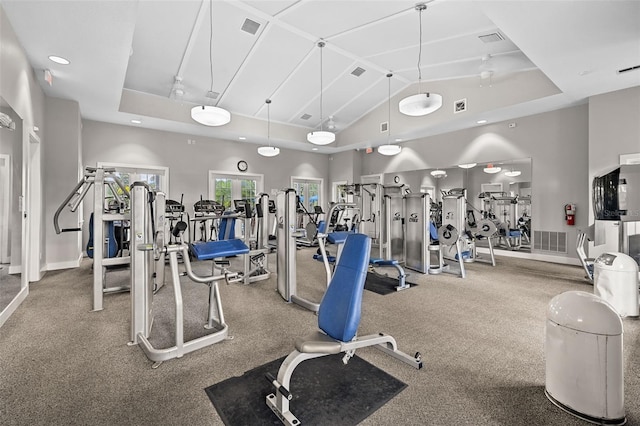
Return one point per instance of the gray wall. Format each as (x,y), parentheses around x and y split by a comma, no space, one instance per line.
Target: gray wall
(189,164)
(557,142)
(614,129)
(62,154)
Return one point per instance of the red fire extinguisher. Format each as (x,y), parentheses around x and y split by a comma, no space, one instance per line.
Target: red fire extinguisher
(570,214)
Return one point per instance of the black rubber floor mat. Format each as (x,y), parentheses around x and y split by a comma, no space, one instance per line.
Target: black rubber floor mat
(382,285)
(325,391)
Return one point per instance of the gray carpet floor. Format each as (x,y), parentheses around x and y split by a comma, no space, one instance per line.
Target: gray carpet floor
(481,338)
(9,286)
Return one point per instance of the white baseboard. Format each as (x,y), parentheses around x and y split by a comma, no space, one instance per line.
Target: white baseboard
(64,265)
(14,269)
(533,256)
(11,307)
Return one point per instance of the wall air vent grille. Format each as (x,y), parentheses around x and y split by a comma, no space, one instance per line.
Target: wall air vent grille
(250,26)
(633,68)
(358,71)
(491,38)
(550,241)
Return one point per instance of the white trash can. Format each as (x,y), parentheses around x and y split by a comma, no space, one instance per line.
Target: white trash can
(615,279)
(584,365)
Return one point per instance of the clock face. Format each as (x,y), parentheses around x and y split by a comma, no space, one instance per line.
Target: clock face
(396,179)
(242,166)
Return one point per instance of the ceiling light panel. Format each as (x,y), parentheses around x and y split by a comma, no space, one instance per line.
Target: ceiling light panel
(316,18)
(443,21)
(266,68)
(163,50)
(303,85)
(271,7)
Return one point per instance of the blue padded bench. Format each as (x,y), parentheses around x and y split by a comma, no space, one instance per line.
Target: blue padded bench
(338,319)
(216,249)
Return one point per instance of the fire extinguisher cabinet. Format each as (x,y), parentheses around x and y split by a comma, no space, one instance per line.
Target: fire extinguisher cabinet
(615,279)
(584,365)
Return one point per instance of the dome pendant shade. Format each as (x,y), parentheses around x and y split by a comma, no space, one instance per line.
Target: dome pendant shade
(321,137)
(389,149)
(210,115)
(268,151)
(420,104)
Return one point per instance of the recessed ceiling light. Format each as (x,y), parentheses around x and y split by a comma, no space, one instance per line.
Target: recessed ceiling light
(242,138)
(135,121)
(481,121)
(59,60)
(314,149)
(398,140)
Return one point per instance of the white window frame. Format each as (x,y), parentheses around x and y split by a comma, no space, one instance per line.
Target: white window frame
(161,171)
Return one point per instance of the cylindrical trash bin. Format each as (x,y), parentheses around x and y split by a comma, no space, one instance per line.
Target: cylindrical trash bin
(584,366)
(615,279)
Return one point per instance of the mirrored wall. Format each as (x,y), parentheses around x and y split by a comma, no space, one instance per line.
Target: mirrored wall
(499,190)
(10,191)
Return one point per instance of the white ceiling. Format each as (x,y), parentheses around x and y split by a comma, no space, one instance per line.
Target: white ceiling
(126,55)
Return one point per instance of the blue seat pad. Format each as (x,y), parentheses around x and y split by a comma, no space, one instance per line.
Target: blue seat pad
(330,259)
(382,262)
(216,249)
(338,237)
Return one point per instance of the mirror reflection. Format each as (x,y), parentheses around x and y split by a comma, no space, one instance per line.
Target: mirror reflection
(10,185)
(499,191)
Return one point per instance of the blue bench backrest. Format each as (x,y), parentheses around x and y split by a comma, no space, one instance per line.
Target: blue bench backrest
(227,230)
(339,313)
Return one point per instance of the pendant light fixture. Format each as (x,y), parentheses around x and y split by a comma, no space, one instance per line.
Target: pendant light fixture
(422,103)
(438,174)
(268,151)
(210,115)
(491,169)
(321,137)
(467,165)
(512,173)
(389,149)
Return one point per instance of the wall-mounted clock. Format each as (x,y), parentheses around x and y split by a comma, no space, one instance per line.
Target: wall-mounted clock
(396,179)
(242,166)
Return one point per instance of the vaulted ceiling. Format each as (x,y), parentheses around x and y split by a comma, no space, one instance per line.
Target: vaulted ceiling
(154,60)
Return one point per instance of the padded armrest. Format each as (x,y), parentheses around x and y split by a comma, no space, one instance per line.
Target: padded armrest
(216,249)
(318,343)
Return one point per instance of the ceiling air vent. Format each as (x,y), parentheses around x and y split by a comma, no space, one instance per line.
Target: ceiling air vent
(213,95)
(305,116)
(491,38)
(635,67)
(358,71)
(250,26)
(384,127)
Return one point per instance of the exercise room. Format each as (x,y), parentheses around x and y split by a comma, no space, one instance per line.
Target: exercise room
(233,212)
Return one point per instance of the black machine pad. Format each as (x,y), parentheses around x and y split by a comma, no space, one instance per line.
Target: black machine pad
(325,391)
(382,285)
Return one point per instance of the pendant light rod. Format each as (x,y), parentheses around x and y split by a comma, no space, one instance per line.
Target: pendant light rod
(321,44)
(268,102)
(211,44)
(389,75)
(420,8)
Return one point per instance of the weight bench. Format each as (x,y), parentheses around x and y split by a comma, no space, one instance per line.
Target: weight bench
(338,320)
(213,250)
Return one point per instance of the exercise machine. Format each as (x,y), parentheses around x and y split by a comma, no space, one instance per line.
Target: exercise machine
(338,320)
(421,236)
(148,259)
(110,206)
(452,234)
(286,205)
(206,216)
